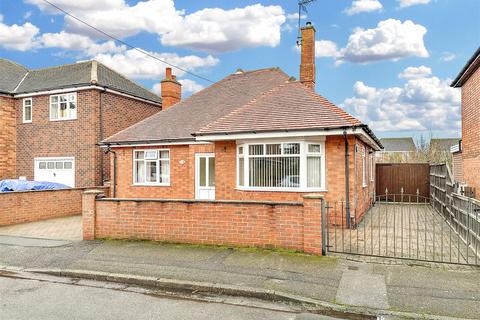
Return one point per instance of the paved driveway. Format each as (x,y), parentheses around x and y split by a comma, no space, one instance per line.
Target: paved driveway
(409,231)
(68,228)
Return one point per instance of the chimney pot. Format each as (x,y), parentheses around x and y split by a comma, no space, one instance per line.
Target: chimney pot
(168,73)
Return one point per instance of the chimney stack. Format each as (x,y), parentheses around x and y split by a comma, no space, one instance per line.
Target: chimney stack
(307,64)
(171,90)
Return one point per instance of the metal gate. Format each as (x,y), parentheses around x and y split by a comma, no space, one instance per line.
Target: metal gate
(400,226)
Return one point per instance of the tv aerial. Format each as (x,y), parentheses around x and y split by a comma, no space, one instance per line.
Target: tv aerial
(302,7)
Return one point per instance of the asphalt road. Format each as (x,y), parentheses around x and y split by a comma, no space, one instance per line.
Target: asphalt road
(34,299)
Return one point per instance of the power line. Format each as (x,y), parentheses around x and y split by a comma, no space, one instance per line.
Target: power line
(127,44)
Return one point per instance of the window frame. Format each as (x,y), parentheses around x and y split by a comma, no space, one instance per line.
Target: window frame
(364,166)
(372,167)
(157,182)
(303,155)
(75,100)
(31,110)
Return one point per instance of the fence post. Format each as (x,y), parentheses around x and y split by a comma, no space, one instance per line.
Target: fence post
(88,213)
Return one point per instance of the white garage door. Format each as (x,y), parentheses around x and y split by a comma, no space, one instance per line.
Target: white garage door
(60,170)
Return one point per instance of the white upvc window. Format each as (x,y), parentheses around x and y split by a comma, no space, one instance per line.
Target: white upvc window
(372,167)
(364,166)
(282,166)
(151,167)
(63,107)
(27,110)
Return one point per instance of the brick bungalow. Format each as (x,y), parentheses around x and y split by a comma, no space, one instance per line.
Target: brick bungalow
(469,150)
(253,136)
(52,120)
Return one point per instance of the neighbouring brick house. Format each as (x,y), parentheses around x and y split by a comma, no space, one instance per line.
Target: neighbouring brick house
(52,120)
(253,136)
(469,80)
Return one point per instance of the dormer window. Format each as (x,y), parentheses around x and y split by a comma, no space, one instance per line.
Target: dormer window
(63,107)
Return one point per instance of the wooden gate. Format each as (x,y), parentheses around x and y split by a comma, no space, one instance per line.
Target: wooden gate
(409,176)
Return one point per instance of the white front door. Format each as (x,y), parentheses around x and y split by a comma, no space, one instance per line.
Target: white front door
(205,176)
(59,170)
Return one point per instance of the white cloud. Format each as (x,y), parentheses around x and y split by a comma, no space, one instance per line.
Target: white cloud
(137,65)
(448,56)
(76,42)
(188,86)
(422,103)
(77,6)
(359,6)
(325,48)
(408,3)
(211,29)
(17,37)
(27,15)
(218,30)
(390,40)
(294,16)
(415,72)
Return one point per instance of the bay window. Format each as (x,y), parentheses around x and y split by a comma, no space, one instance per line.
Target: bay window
(291,166)
(151,167)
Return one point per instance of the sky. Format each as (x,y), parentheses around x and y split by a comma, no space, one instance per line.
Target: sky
(387,62)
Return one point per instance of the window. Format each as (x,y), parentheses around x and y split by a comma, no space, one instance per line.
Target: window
(364,166)
(63,107)
(27,110)
(372,167)
(281,165)
(151,167)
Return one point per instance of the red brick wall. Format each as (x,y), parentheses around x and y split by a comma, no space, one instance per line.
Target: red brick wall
(77,138)
(471,131)
(295,226)
(28,206)
(118,113)
(182,177)
(183,183)
(7,138)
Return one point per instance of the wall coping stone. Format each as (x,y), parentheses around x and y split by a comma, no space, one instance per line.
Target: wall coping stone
(193,201)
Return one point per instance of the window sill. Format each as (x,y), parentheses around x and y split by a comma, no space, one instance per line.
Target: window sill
(280,189)
(55,120)
(151,185)
(26,122)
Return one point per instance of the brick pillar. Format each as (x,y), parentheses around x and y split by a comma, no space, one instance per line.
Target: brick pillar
(88,213)
(307,64)
(312,223)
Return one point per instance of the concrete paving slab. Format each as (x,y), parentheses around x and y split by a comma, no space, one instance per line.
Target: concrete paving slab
(360,287)
(31,242)
(67,228)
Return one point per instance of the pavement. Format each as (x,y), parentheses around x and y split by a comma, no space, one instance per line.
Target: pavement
(332,283)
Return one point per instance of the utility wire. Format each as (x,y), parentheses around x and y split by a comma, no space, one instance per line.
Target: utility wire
(127,44)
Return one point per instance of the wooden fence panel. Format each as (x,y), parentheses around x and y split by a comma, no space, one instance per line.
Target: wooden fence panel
(409,176)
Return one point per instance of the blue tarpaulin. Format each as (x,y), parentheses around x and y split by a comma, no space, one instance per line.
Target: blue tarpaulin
(23,185)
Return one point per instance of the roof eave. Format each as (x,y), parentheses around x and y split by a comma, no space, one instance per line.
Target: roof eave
(465,74)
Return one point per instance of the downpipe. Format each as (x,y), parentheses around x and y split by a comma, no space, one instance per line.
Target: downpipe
(347,180)
(114,180)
